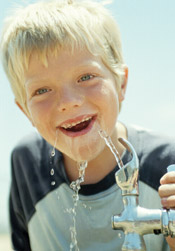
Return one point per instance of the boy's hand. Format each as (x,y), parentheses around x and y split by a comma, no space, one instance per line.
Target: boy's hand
(167,195)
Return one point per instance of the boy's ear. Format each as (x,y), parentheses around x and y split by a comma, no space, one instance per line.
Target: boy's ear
(22,109)
(123,85)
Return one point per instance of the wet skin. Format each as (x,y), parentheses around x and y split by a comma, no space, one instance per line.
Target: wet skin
(76,95)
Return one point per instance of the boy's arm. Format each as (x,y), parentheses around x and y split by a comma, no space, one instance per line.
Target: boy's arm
(167,194)
(19,234)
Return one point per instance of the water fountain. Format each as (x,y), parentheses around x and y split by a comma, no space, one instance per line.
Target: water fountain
(136,221)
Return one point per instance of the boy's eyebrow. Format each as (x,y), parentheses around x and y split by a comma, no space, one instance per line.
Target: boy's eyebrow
(33,81)
(77,68)
(93,65)
(90,66)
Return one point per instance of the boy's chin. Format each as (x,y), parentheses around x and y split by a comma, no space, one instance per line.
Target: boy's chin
(87,154)
(88,148)
(82,158)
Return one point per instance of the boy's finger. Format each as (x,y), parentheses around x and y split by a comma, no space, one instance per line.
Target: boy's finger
(168,178)
(166,190)
(168,202)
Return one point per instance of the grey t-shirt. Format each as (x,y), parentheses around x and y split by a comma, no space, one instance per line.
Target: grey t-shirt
(40,212)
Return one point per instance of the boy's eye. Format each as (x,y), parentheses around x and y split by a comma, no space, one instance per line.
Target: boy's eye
(42,91)
(86,77)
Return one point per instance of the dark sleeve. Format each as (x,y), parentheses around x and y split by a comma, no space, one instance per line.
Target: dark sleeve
(157,155)
(18,224)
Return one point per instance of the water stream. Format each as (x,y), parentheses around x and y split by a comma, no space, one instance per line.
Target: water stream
(111,146)
(75,185)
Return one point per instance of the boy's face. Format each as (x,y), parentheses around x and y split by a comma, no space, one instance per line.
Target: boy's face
(75,96)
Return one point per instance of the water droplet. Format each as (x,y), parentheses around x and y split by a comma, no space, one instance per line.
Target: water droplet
(52,171)
(53,183)
(119,235)
(84,205)
(53,152)
(71,245)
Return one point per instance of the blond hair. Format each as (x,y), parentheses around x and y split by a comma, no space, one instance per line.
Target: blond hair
(47,27)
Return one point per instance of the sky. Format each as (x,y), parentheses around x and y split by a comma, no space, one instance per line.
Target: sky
(147,31)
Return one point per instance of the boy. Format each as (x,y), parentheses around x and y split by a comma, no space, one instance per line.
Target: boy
(64,62)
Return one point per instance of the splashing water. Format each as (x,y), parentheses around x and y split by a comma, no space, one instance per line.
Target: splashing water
(75,185)
(111,146)
(52,154)
(53,150)
(52,172)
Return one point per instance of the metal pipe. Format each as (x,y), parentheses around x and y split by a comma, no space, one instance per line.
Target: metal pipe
(136,221)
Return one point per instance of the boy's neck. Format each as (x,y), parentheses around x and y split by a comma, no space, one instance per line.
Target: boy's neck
(98,168)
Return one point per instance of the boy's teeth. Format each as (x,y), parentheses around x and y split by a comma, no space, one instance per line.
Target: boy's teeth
(65,126)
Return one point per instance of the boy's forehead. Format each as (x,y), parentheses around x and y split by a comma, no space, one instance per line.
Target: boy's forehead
(79,56)
(66,57)
(63,60)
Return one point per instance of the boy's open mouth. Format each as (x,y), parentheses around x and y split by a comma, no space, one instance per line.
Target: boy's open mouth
(78,127)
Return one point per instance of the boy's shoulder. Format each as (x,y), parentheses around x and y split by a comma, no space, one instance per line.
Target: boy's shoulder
(148,141)
(31,143)
(29,140)
(156,151)
(30,169)
(32,150)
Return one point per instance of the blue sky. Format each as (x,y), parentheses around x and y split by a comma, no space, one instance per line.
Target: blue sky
(147,30)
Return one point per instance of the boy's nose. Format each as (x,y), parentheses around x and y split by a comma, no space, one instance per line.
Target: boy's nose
(70,99)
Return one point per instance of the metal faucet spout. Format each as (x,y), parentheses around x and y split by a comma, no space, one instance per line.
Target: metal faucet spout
(136,221)
(127,177)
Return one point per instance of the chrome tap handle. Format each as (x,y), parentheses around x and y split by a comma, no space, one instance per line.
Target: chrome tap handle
(171,168)
(134,220)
